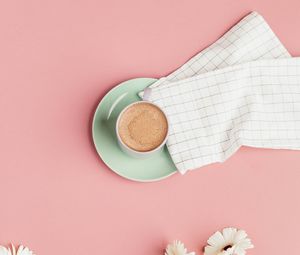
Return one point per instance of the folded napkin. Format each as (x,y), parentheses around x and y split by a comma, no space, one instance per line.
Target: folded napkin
(242,90)
(211,115)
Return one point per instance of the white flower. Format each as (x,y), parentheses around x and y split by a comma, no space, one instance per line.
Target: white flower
(176,248)
(24,251)
(5,251)
(12,251)
(230,242)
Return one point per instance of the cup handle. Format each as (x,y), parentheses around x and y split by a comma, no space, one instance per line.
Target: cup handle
(147,94)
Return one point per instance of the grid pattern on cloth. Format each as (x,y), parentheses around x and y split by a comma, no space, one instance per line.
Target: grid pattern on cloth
(211,115)
(259,111)
(248,40)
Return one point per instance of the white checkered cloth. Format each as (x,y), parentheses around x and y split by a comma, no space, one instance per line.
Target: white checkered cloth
(242,90)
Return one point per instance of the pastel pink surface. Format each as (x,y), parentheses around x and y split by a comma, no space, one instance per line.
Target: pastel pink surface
(58,58)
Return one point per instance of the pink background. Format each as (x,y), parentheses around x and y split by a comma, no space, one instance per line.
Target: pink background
(57,60)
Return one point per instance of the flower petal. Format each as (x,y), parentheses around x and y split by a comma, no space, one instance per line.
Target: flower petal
(241,234)
(13,248)
(216,240)
(176,248)
(20,250)
(239,251)
(211,250)
(245,244)
(4,251)
(229,234)
(26,251)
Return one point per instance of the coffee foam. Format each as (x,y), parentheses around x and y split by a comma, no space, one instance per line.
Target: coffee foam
(143,127)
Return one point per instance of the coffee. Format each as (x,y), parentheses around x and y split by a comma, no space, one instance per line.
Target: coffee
(143,127)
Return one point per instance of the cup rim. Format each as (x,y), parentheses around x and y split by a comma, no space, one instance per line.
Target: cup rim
(125,145)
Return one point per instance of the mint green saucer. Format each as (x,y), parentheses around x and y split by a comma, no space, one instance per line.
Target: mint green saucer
(155,168)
